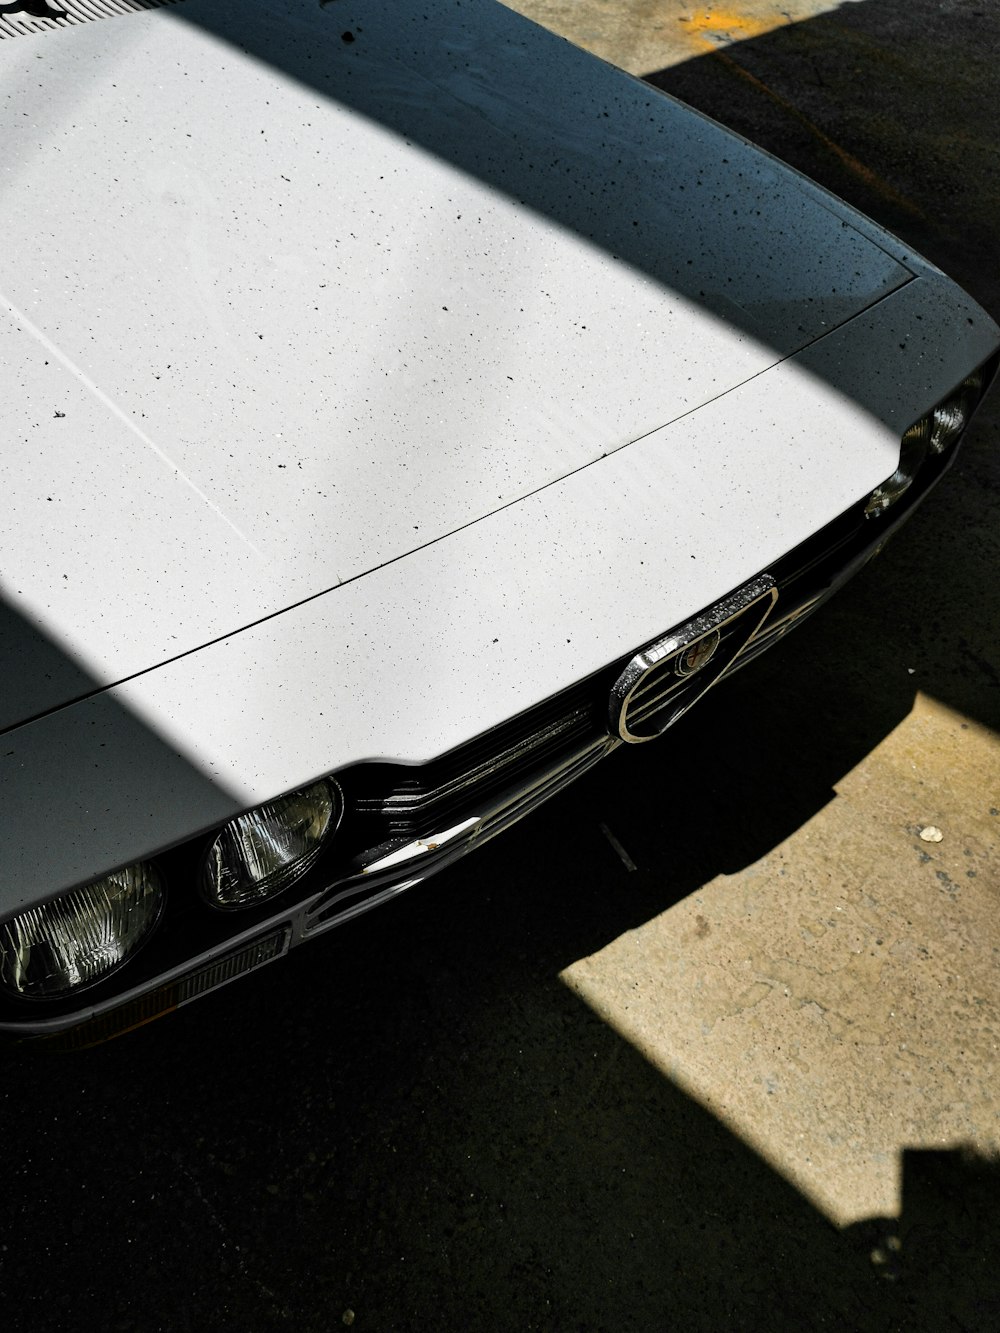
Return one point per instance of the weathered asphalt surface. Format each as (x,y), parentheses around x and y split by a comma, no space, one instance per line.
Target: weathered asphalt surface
(751,1084)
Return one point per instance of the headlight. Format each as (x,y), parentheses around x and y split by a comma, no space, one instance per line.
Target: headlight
(932,434)
(80,937)
(911,455)
(261,853)
(950,417)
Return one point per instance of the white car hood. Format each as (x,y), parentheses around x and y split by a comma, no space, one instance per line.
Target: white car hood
(274,317)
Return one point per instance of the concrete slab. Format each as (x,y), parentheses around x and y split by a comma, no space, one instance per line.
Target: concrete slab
(835,1003)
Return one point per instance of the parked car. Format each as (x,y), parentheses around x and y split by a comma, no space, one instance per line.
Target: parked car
(404,410)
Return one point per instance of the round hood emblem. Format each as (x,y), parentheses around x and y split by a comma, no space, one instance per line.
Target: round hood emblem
(697,654)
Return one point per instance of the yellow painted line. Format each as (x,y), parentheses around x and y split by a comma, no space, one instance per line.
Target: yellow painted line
(711,25)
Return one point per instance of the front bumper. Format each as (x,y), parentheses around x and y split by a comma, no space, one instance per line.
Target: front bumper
(406,823)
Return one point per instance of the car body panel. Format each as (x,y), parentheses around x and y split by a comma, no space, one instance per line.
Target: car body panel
(249,366)
(413,659)
(384,380)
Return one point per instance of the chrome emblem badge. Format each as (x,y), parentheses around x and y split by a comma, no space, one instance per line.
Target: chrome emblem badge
(699,654)
(662,681)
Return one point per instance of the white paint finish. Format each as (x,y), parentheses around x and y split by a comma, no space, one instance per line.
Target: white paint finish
(292,346)
(107,548)
(417,657)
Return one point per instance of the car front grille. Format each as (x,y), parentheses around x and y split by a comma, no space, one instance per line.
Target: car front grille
(398,864)
(408,803)
(403,823)
(413,802)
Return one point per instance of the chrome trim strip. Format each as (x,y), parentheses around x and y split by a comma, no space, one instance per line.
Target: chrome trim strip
(449,846)
(412,803)
(423,846)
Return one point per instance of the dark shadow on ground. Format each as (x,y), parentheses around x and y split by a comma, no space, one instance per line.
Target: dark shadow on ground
(945,1239)
(446,1138)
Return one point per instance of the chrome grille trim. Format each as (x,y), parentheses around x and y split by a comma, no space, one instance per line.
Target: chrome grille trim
(648,707)
(346,898)
(527,798)
(414,803)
